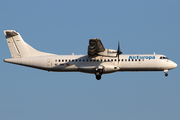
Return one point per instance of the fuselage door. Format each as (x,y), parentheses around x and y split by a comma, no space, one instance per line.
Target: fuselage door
(49,63)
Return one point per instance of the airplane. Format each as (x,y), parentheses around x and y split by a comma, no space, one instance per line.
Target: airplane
(98,61)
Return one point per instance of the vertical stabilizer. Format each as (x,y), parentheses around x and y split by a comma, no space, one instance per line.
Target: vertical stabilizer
(18,47)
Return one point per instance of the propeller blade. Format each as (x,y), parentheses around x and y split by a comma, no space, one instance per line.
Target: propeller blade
(118,51)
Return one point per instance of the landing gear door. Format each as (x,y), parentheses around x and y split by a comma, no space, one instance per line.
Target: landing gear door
(49,63)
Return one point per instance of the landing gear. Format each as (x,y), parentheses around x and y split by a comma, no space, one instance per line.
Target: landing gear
(98,74)
(98,77)
(166,74)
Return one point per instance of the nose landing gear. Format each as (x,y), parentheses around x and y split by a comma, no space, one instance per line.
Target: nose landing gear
(166,72)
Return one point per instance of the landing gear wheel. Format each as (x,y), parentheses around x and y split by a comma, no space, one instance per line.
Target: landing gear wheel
(98,75)
(166,74)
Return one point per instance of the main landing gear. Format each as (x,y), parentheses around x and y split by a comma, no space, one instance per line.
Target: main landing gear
(98,74)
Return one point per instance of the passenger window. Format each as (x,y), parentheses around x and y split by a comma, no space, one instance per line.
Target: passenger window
(90,60)
(104,60)
(125,59)
(101,60)
(111,59)
(69,60)
(83,60)
(122,60)
(76,60)
(108,60)
(66,60)
(135,59)
(128,59)
(94,60)
(72,60)
(59,60)
(62,60)
(55,60)
(160,57)
(97,60)
(86,60)
(115,60)
(139,59)
(132,59)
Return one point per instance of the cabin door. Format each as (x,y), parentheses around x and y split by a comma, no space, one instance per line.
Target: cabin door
(49,63)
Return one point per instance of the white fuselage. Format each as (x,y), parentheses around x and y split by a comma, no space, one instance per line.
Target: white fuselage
(98,61)
(84,63)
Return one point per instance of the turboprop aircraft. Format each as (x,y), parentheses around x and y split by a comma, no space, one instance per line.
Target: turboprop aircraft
(98,61)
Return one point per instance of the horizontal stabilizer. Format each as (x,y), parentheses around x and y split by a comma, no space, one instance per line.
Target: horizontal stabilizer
(10,33)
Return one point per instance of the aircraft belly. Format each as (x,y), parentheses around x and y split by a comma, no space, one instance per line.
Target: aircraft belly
(58,68)
(141,69)
(87,68)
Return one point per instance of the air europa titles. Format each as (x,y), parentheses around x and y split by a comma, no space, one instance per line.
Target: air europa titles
(141,57)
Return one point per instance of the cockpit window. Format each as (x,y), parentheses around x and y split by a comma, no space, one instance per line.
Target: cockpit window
(163,57)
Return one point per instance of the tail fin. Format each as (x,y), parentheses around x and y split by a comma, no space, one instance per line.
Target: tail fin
(18,47)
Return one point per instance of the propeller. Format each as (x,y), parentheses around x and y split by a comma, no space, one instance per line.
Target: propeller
(118,51)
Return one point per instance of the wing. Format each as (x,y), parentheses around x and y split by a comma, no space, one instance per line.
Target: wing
(95,46)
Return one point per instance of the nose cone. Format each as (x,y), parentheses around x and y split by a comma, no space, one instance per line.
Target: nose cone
(174,65)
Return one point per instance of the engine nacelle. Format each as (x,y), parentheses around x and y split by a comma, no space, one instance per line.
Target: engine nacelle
(108,53)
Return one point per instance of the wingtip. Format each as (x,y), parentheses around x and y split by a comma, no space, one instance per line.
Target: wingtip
(4,60)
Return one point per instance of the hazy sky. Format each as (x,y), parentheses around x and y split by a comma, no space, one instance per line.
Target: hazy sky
(65,27)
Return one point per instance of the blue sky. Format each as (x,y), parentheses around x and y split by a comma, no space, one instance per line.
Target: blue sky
(65,27)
